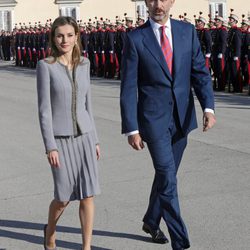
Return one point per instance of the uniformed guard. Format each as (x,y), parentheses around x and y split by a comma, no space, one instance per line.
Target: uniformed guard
(33,47)
(23,46)
(92,49)
(100,47)
(42,42)
(245,48)
(18,45)
(234,54)
(186,19)
(219,54)
(84,35)
(205,38)
(129,23)
(28,46)
(120,40)
(110,63)
(37,42)
(140,20)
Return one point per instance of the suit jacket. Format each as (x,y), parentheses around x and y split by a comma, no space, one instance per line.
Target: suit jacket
(149,92)
(56,94)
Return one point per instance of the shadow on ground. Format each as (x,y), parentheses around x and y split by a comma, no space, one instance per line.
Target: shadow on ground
(60,243)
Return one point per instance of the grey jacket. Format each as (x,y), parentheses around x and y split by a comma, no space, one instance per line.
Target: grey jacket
(64,104)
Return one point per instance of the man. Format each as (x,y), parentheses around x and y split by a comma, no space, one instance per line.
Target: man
(234,54)
(219,54)
(120,38)
(100,47)
(157,107)
(205,38)
(140,20)
(245,48)
(129,24)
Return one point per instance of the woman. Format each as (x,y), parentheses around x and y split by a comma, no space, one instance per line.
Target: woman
(68,129)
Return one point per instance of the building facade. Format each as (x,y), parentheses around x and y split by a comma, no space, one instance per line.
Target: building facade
(30,11)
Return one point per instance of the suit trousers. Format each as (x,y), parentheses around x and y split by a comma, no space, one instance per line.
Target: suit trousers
(166,154)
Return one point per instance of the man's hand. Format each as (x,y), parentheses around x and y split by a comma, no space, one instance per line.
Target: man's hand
(208,121)
(135,141)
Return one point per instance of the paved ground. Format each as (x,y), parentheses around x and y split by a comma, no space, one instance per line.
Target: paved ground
(214,178)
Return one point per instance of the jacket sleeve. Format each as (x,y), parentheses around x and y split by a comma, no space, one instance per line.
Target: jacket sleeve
(128,94)
(200,76)
(44,106)
(89,109)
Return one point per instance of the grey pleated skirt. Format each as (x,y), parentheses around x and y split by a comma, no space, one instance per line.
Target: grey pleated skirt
(77,176)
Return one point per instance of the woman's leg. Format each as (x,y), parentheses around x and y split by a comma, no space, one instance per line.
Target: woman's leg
(56,209)
(86,214)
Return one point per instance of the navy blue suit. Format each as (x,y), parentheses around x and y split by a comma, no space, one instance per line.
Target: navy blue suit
(161,107)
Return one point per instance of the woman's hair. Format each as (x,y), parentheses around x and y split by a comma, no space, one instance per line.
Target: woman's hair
(76,54)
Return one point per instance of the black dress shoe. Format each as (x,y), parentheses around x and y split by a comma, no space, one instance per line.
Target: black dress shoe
(157,235)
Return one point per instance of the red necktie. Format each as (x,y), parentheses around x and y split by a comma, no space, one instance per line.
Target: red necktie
(166,49)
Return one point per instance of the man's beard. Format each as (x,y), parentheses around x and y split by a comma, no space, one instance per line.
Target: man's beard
(158,17)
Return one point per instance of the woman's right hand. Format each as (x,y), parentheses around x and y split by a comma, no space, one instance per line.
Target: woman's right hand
(53,158)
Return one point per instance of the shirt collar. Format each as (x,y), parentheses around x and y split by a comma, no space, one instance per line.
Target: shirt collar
(156,26)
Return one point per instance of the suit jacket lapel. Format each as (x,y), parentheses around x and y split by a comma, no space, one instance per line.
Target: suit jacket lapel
(151,43)
(178,36)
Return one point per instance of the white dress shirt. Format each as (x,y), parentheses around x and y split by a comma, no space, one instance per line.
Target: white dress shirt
(157,31)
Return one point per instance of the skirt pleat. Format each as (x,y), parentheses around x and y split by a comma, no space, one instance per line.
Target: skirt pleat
(77,176)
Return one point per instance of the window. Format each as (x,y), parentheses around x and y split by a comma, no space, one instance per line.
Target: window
(69,11)
(217,6)
(141,9)
(5,20)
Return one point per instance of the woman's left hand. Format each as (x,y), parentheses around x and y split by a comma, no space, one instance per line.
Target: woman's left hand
(98,153)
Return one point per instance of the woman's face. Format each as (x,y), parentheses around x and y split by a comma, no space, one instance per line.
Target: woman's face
(65,38)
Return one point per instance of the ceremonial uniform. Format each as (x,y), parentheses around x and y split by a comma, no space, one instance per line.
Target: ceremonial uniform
(205,39)
(245,53)
(219,53)
(120,40)
(18,48)
(23,38)
(101,51)
(84,41)
(234,55)
(110,53)
(92,50)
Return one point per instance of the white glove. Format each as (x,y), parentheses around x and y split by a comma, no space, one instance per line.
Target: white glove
(220,56)
(111,52)
(208,55)
(236,58)
(102,51)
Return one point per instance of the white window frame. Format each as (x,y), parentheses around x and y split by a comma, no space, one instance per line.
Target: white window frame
(10,23)
(214,6)
(142,8)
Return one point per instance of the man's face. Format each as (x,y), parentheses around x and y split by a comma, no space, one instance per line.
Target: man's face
(232,21)
(159,9)
(244,27)
(200,24)
(129,23)
(218,23)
